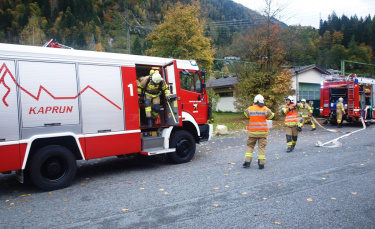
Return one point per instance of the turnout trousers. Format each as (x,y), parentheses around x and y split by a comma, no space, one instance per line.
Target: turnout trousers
(250,145)
(291,134)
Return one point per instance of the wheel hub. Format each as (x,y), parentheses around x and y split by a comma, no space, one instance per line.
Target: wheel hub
(54,168)
(183,147)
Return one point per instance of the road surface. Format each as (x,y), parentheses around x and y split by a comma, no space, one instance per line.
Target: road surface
(312,187)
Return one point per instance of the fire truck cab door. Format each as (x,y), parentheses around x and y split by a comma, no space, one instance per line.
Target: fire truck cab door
(173,112)
(192,95)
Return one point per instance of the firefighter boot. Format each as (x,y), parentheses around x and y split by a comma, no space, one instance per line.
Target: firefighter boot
(246,165)
(339,125)
(289,143)
(149,122)
(248,158)
(313,126)
(260,166)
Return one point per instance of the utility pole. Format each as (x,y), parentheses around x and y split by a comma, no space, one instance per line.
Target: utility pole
(354,62)
(128,41)
(297,89)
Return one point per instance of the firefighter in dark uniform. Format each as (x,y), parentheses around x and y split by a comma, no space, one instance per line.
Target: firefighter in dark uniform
(153,87)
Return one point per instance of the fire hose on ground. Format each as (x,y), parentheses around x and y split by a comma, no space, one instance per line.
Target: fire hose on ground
(335,141)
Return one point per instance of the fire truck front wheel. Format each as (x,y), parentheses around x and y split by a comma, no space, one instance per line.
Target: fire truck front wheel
(52,167)
(185,146)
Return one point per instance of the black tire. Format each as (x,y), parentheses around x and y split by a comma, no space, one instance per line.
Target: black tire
(185,145)
(52,167)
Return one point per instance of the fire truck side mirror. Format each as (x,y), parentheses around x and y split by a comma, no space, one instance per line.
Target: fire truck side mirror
(203,74)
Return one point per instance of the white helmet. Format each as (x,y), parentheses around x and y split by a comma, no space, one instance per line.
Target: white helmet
(341,99)
(156,78)
(290,98)
(259,99)
(303,100)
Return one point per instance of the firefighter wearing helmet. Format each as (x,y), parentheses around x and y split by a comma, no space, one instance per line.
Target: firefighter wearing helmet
(140,89)
(153,86)
(292,124)
(306,112)
(258,130)
(340,110)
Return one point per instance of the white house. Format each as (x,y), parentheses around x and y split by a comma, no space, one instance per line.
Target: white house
(224,87)
(309,79)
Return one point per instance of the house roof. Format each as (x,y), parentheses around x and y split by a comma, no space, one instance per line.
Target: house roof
(231,81)
(305,68)
(222,82)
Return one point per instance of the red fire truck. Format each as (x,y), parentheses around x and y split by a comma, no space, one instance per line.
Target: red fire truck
(61,105)
(358,94)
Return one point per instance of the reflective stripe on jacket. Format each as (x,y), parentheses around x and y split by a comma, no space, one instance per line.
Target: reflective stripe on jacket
(153,90)
(340,106)
(291,117)
(258,120)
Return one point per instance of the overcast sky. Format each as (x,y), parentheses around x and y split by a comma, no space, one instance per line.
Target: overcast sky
(308,12)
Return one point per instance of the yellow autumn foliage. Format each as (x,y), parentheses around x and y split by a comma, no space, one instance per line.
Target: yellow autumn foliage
(181,36)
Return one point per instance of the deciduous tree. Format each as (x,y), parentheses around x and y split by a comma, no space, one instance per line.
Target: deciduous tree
(181,36)
(265,76)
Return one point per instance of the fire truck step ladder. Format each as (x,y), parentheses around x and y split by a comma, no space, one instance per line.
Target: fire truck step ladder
(351,96)
(155,151)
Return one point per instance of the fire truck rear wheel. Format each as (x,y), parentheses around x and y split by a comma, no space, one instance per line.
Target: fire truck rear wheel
(52,167)
(185,146)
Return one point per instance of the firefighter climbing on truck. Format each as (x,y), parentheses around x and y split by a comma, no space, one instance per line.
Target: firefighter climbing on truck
(153,86)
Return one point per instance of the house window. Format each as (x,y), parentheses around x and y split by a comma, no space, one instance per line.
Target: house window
(309,91)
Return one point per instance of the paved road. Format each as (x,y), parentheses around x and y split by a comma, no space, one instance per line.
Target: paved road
(311,187)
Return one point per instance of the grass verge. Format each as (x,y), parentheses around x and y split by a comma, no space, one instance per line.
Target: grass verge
(237,121)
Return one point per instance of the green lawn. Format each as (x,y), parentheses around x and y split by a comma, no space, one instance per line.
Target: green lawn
(234,121)
(237,121)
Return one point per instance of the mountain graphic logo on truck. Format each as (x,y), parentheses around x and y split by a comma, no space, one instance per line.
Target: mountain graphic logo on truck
(53,109)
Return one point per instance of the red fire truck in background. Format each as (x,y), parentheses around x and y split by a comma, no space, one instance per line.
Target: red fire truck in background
(58,106)
(358,94)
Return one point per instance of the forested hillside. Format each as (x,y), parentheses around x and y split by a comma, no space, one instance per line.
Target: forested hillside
(110,25)
(123,25)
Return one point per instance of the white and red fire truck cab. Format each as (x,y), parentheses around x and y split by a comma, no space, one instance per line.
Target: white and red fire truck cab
(59,105)
(358,94)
